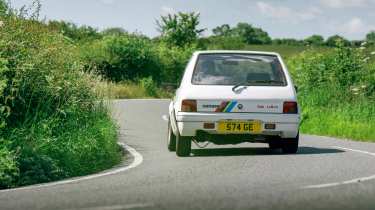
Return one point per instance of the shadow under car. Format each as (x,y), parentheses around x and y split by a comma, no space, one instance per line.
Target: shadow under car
(243,151)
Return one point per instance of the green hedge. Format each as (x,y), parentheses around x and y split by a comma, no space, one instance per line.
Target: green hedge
(336,92)
(52,123)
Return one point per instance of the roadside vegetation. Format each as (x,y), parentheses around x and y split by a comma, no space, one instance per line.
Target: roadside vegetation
(54,76)
(336,91)
(53,125)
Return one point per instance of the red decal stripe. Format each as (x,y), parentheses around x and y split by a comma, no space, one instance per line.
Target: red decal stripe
(222,106)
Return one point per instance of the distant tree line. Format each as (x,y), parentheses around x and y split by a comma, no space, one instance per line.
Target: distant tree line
(252,35)
(182,28)
(119,55)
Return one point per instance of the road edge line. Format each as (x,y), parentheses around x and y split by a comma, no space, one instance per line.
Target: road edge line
(138,159)
(352,181)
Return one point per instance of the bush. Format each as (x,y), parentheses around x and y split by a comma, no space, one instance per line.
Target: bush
(224,43)
(9,171)
(173,61)
(126,57)
(336,92)
(53,124)
(341,69)
(149,85)
(179,29)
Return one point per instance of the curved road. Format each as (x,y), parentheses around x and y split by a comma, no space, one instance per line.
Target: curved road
(326,174)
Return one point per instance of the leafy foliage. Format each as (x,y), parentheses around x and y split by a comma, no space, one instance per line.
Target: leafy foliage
(4,8)
(173,61)
(246,32)
(127,57)
(49,112)
(250,34)
(223,30)
(337,40)
(179,29)
(9,171)
(288,41)
(316,40)
(74,32)
(336,91)
(114,32)
(370,37)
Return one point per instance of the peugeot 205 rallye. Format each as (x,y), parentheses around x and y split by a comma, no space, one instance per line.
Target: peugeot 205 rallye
(231,97)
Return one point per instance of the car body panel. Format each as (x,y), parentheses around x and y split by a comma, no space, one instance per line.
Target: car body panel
(263,103)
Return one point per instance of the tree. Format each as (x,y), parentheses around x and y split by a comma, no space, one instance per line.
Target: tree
(74,32)
(116,31)
(250,34)
(336,40)
(370,37)
(316,40)
(179,29)
(223,30)
(287,41)
(262,37)
(4,8)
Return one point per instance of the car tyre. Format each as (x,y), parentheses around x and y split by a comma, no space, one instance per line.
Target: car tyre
(290,146)
(183,146)
(275,143)
(171,139)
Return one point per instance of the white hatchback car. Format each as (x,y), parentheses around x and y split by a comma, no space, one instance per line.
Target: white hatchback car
(231,97)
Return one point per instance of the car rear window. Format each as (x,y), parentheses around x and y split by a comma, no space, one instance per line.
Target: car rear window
(234,69)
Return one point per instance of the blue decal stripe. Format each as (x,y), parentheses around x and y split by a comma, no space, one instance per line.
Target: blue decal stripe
(231,106)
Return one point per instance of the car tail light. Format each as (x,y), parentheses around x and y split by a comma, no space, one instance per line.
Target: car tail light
(290,107)
(189,106)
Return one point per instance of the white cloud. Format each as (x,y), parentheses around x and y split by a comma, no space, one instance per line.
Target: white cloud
(107,1)
(345,3)
(165,10)
(355,26)
(286,13)
(274,12)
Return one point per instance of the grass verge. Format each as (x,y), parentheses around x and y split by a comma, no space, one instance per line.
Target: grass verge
(350,122)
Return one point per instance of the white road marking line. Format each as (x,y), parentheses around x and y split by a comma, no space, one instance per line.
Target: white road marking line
(340,183)
(354,150)
(164,117)
(138,159)
(120,207)
(352,181)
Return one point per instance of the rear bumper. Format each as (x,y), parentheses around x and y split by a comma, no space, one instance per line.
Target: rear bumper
(287,125)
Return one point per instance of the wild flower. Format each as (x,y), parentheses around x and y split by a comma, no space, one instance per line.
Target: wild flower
(372,53)
(363,44)
(366,59)
(362,48)
(355,89)
(1,23)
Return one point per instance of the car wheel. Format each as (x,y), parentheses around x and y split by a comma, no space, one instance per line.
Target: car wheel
(290,146)
(183,146)
(171,139)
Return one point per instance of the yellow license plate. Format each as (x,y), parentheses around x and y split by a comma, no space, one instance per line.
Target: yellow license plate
(240,127)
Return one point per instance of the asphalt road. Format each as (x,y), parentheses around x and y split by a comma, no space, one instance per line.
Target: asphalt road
(327,173)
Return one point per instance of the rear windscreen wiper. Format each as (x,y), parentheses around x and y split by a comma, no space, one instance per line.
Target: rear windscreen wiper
(255,82)
(239,85)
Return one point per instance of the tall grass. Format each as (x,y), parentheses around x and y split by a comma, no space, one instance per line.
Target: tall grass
(131,90)
(336,92)
(53,124)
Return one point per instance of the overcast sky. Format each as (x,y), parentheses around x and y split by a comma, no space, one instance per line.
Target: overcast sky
(280,18)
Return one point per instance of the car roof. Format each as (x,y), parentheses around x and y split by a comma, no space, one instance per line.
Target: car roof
(235,52)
